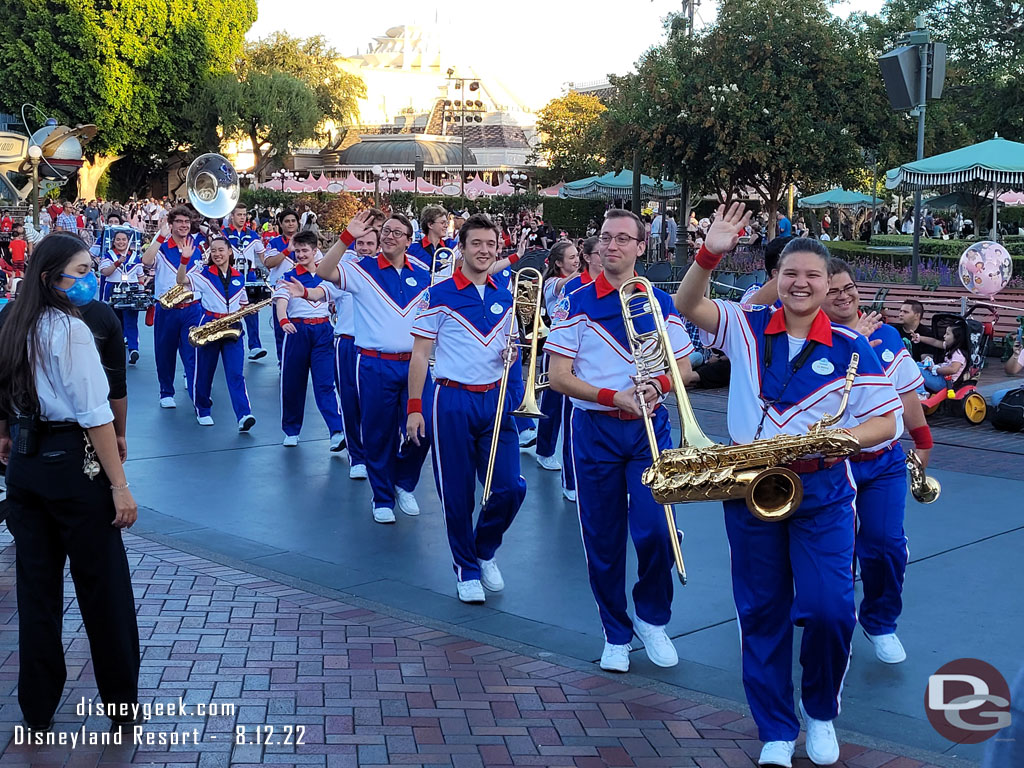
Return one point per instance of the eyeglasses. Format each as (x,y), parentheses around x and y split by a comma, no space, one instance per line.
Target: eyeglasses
(620,239)
(389,232)
(849,290)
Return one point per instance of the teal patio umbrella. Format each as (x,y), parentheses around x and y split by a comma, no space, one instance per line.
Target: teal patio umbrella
(837,198)
(611,184)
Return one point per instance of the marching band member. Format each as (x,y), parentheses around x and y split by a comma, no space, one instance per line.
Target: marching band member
(880,472)
(249,250)
(591,362)
(385,293)
(277,259)
(434,223)
(120,265)
(469,317)
(220,289)
(308,349)
(171,326)
(563,264)
(788,370)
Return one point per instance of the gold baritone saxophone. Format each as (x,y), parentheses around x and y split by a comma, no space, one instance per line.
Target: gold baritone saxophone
(223,328)
(177,294)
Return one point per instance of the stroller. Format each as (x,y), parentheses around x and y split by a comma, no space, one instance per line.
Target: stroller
(961,394)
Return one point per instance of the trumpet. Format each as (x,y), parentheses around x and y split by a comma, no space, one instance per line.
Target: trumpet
(924,489)
(652,355)
(526,304)
(442,265)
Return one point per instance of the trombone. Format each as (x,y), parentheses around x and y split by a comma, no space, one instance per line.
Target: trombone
(527,299)
(652,355)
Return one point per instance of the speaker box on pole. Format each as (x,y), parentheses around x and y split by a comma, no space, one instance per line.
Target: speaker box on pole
(901,70)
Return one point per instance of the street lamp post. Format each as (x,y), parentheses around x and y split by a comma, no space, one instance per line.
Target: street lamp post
(283,175)
(518,179)
(34,156)
(475,107)
(377,173)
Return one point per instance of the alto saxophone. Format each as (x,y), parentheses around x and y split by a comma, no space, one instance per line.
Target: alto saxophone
(223,328)
(177,294)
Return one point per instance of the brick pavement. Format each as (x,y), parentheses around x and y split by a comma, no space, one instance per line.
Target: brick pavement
(368,688)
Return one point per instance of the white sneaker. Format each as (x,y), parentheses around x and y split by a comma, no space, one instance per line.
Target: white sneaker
(490,575)
(168,402)
(290,441)
(246,423)
(527,438)
(778,753)
(657,643)
(822,746)
(615,658)
(357,472)
(549,462)
(337,442)
(569,495)
(258,353)
(471,591)
(205,421)
(407,502)
(888,648)
(133,357)
(383,515)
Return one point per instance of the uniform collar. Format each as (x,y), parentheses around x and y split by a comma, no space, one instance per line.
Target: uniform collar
(821,327)
(213,270)
(462,282)
(301,270)
(603,287)
(585,277)
(383,262)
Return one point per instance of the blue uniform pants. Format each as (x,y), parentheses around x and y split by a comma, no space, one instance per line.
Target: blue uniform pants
(308,351)
(881,542)
(170,338)
(551,405)
(232,356)
(129,326)
(383,399)
(609,457)
(795,572)
(461,424)
(252,330)
(516,391)
(348,394)
(278,332)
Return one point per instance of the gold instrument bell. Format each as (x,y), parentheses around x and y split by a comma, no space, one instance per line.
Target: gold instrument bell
(923,488)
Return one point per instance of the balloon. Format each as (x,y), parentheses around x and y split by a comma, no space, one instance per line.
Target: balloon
(985,268)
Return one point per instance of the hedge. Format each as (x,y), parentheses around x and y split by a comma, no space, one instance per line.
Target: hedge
(572,215)
(947,248)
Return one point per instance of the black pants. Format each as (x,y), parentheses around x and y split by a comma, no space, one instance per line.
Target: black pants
(55,513)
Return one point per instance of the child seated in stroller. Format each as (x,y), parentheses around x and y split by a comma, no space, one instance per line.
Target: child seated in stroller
(954,366)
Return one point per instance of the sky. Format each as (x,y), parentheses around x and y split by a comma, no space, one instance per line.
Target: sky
(535,47)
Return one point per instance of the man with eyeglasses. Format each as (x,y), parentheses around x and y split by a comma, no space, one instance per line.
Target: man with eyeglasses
(434,223)
(592,363)
(386,292)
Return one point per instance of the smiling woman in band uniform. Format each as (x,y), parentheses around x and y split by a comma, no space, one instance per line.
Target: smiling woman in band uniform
(69,497)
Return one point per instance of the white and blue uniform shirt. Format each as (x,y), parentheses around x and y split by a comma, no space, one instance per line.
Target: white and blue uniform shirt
(900,367)
(589,329)
(573,284)
(130,270)
(299,307)
(168,258)
(278,245)
(791,384)
(246,244)
(385,301)
(217,295)
(344,312)
(471,328)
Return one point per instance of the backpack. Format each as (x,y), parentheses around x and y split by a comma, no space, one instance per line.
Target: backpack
(1009,414)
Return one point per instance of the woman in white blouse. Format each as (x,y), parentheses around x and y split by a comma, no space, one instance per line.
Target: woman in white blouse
(67,490)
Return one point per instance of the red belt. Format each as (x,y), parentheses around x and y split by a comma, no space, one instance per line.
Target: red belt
(870,455)
(401,356)
(309,320)
(807,466)
(346,336)
(217,315)
(621,415)
(468,387)
(186,304)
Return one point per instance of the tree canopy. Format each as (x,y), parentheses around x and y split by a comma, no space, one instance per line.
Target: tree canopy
(570,136)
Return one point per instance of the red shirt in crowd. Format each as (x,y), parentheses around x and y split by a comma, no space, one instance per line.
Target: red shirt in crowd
(18,248)
(6,224)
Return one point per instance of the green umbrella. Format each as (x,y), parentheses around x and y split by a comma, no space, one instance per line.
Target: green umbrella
(837,198)
(619,184)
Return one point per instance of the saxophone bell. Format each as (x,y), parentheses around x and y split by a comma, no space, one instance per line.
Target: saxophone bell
(923,488)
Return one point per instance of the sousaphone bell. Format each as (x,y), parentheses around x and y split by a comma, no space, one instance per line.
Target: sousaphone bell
(212,186)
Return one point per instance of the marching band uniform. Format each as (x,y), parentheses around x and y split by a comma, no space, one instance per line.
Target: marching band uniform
(423,250)
(307,352)
(249,250)
(384,302)
(782,385)
(219,295)
(278,245)
(881,477)
(171,326)
(470,328)
(610,453)
(129,269)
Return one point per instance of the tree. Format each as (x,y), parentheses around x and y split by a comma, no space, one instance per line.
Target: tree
(130,68)
(570,130)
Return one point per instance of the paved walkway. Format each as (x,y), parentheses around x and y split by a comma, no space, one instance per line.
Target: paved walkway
(359,687)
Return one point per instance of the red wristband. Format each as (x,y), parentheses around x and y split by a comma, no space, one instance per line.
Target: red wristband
(161,239)
(707,259)
(606,397)
(305,292)
(415,405)
(665,382)
(286,252)
(283,322)
(922,437)
(347,238)
(513,258)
